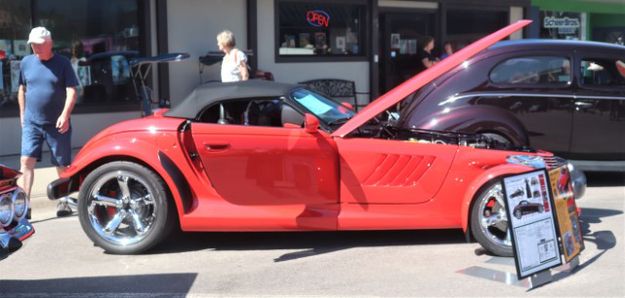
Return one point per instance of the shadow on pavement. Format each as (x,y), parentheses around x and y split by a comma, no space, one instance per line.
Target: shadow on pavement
(163,285)
(603,240)
(311,243)
(605,178)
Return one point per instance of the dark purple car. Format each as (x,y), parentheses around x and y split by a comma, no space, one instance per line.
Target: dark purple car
(567,97)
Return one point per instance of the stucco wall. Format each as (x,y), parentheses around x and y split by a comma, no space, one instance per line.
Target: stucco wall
(297,72)
(192,28)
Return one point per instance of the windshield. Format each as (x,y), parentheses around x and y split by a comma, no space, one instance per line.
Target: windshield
(327,110)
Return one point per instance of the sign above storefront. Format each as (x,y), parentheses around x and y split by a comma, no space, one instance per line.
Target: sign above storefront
(565,22)
(318,18)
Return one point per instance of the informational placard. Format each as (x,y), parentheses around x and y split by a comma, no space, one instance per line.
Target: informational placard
(529,206)
(566,213)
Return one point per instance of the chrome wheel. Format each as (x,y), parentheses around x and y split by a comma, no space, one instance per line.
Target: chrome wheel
(489,221)
(121,208)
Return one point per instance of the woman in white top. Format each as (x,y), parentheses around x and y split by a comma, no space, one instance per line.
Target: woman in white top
(234,65)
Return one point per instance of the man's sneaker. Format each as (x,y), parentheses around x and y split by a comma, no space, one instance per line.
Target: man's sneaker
(63,209)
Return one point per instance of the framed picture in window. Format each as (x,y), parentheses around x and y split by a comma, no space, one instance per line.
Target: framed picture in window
(395,40)
(340,43)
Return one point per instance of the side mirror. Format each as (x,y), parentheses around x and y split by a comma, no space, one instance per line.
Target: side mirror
(311,123)
(347,105)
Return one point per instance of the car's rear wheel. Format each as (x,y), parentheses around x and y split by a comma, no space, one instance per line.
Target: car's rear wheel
(489,221)
(498,137)
(124,208)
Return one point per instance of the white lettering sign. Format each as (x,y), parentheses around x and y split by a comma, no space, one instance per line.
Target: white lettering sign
(566,22)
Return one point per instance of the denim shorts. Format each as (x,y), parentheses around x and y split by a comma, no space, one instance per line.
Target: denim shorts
(34,135)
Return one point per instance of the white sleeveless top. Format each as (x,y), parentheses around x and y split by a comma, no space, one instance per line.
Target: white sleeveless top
(230,71)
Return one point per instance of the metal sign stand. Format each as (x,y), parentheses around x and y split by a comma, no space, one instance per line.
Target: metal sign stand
(539,279)
(544,277)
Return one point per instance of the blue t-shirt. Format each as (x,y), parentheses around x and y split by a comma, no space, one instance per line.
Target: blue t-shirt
(45,83)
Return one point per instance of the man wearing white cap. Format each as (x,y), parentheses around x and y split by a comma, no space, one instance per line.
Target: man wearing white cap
(46,98)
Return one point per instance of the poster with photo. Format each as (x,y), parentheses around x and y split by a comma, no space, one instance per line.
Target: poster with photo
(15,75)
(395,38)
(340,43)
(21,48)
(566,213)
(321,41)
(5,45)
(531,219)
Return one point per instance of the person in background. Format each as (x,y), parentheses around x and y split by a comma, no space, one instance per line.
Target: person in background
(426,59)
(46,97)
(234,65)
(447,50)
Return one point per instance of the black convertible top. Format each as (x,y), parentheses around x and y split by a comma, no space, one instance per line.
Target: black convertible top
(206,94)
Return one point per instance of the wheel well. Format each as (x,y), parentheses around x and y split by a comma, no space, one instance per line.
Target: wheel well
(94,165)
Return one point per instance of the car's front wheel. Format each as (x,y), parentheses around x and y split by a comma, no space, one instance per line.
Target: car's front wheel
(489,221)
(124,208)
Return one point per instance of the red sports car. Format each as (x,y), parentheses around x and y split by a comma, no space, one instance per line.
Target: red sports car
(265,156)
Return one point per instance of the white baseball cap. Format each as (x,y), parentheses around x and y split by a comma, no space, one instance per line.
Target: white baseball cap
(39,35)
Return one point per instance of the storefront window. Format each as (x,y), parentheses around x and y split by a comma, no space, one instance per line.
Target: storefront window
(15,20)
(465,26)
(99,38)
(308,29)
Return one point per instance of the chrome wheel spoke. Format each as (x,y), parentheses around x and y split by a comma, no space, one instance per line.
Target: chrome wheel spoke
(146,200)
(137,223)
(492,220)
(115,222)
(106,201)
(508,240)
(122,181)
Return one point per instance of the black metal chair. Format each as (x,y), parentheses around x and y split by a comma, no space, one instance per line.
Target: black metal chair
(335,88)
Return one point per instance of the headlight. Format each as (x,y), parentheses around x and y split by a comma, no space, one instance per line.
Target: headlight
(6,210)
(20,204)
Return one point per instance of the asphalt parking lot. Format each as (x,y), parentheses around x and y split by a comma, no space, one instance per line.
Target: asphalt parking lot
(60,261)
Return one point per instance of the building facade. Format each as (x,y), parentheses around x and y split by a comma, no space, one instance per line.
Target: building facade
(371,42)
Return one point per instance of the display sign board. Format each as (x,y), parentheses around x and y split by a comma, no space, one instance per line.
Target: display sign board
(566,211)
(531,220)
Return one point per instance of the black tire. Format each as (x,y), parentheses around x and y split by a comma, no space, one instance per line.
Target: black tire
(148,202)
(497,137)
(493,238)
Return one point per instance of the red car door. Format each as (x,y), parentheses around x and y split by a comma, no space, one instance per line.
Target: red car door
(268,166)
(391,172)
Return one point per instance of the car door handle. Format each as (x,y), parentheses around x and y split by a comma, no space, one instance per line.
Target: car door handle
(214,147)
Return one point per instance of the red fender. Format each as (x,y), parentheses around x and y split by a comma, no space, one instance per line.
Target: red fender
(134,145)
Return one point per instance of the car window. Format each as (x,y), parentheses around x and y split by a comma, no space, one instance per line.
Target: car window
(533,70)
(329,111)
(602,72)
(254,112)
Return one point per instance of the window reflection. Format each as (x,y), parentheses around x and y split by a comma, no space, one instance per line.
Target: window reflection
(99,38)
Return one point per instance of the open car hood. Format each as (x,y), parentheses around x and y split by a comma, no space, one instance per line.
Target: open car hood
(400,92)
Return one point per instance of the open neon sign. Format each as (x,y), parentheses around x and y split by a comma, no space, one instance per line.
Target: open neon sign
(318,18)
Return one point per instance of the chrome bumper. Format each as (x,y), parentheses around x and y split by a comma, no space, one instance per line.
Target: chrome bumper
(11,240)
(578,180)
